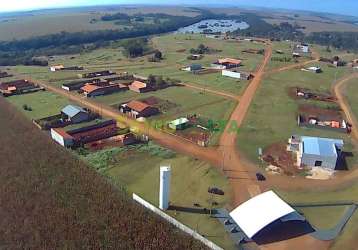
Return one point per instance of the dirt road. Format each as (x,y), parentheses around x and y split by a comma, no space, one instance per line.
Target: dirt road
(338,91)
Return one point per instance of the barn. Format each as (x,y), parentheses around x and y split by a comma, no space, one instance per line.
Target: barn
(75,113)
(316,151)
(137,109)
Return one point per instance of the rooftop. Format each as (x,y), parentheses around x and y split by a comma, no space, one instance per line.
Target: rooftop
(139,84)
(229,60)
(72,110)
(321,146)
(179,121)
(137,105)
(260,211)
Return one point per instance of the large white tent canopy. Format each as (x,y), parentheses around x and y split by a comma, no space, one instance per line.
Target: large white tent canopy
(260,211)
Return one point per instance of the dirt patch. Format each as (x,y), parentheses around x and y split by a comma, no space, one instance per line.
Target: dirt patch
(277,155)
(307,94)
(322,114)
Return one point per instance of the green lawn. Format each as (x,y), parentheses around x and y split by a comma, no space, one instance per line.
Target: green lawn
(42,103)
(137,168)
(272,115)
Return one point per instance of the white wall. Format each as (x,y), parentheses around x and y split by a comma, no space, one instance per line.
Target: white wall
(176,223)
(231,74)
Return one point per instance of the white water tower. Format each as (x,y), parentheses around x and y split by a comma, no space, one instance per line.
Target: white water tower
(164,189)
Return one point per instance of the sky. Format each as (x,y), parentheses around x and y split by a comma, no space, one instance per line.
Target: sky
(348,7)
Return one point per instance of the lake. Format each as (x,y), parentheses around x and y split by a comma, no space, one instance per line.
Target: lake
(214,26)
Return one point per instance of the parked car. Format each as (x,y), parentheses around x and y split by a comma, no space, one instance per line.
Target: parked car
(260,177)
(215,190)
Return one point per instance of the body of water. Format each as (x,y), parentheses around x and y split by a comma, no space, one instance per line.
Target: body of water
(214,26)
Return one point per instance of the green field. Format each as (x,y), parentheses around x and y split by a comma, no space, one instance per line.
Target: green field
(350,92)
(42,103)
(137,168)
(272,115)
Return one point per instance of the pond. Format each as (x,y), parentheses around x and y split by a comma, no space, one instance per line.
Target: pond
(214,26)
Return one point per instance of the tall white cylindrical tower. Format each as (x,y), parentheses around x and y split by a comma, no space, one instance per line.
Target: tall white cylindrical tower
(164,189)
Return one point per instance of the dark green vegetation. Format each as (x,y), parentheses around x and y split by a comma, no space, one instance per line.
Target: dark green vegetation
(341,40)
(53,200)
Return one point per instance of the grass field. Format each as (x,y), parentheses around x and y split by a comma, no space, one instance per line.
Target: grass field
(42,103)
(327,217)
(273,119)
(137,168)
(112,58)
(351,91)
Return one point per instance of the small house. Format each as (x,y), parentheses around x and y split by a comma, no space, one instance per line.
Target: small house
(226,63)
(75,113)
(102,88)
(97,74)
(316,151)
(138,109)
(139,87)
(56,68)
(196,57)
(179,124)
(314,69)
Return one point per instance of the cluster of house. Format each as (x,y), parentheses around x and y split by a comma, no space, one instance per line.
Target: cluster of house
(324,121)
(103,86)
(4,74)
(336,61)
(316,151)
(89,132)
(61,68)
(18,87)
(227,66)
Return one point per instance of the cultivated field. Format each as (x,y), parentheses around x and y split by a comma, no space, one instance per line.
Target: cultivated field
(50,199)
(38,23)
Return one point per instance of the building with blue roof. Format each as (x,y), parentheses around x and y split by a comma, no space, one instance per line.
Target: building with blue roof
(317,151)
(75,113)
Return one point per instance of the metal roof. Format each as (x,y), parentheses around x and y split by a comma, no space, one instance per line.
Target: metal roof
(260,211)
(72,110)
(321,146)
(179,121)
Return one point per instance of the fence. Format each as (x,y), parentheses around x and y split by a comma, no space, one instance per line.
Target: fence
(176,223)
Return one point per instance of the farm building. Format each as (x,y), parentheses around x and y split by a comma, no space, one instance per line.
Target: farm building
(179,124)
(102,88)
(316,151)
(56,68)
(226,63)
(193,68)
(18,87)
(237,74)
(254,51)
(97,74)
(4,74)
(75,114)
(303,48)
(140,87)
(138,109)
(77,85)
(195,57)
(262,213)
(61,137)
(102,130)
(313,69)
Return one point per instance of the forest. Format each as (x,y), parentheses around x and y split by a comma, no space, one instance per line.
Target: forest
(49,199)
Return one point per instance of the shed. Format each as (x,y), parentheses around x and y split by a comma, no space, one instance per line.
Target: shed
(139,87)
(75,114)
(260,211)
(179,124)
(62,137)
(320,152)
(137,109)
